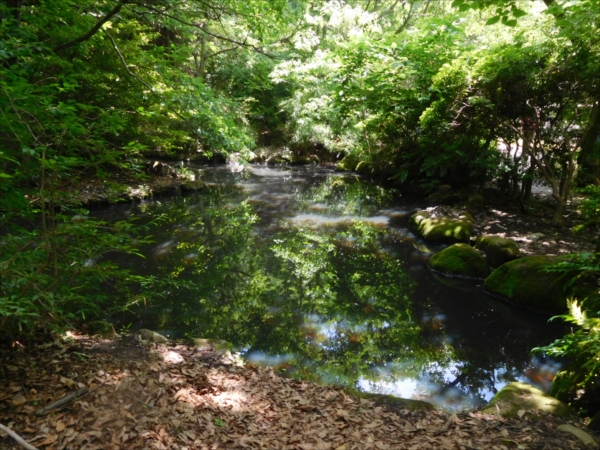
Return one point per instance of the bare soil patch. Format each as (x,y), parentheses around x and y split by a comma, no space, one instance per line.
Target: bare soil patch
(532,228)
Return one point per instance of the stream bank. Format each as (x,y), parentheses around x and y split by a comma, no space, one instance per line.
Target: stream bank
(172,396)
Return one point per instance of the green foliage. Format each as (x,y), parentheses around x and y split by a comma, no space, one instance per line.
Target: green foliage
(578,383)
(86,89)
(60,278)
(590,207)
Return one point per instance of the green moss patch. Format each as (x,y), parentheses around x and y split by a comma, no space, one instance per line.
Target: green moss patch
(443,229)
(529,400)
(526,283)
(498,250)
(460,260)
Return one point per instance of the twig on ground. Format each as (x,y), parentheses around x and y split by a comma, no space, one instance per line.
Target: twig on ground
(63,401)
(68,399)
(22,442)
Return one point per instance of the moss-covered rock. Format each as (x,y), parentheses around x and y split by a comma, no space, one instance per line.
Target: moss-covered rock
(440,225)
(461,261)
(525,282)
(475,201)
(522,397)
(498,250)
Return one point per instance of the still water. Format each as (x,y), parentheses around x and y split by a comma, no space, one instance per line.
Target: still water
(316,273)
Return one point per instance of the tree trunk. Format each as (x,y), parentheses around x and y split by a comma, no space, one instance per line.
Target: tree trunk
(202,66)
(559,211)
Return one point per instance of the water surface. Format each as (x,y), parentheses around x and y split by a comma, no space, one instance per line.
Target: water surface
(317,274)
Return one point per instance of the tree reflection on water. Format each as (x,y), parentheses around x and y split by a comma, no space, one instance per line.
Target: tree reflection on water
(315,274)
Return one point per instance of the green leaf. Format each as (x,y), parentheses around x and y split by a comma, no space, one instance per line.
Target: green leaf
(457,3)
(518,13)
(493,20)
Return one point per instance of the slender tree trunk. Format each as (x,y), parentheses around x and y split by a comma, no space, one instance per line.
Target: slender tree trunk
(559,211)
(527,137)
(202,67)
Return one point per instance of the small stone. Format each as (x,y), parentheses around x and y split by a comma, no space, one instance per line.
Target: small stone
(152,336)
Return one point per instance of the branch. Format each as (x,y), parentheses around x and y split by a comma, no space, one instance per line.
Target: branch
(221,51)
(201,28)
(94,29)
(22,442)
(63,401)
(406,20)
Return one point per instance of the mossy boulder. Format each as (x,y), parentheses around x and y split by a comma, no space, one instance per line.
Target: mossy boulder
(443,226)
(530,400)
(525,282)
(498,250)
(475,201)
(461,261)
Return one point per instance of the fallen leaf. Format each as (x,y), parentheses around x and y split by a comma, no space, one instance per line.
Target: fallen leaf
(18,400)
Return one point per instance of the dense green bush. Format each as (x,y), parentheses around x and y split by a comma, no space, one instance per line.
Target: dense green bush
(60,274)
(579,382)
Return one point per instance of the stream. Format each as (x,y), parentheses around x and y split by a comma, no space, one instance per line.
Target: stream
(316,273)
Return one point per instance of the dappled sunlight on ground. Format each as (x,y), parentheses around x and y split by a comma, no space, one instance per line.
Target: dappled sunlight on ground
(140,396)
(533,234)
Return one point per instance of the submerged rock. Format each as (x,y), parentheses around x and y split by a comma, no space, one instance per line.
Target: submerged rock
(443,225)
(517,399)
(461,261)
(527,283)
(498,250)
(192,185)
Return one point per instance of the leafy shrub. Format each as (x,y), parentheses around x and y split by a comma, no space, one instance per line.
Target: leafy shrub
(579,383)
(55,278)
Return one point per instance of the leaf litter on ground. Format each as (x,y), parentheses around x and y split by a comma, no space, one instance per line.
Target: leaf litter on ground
(172,396)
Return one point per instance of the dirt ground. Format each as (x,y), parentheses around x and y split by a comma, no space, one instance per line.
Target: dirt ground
(532,229)
(140,395)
